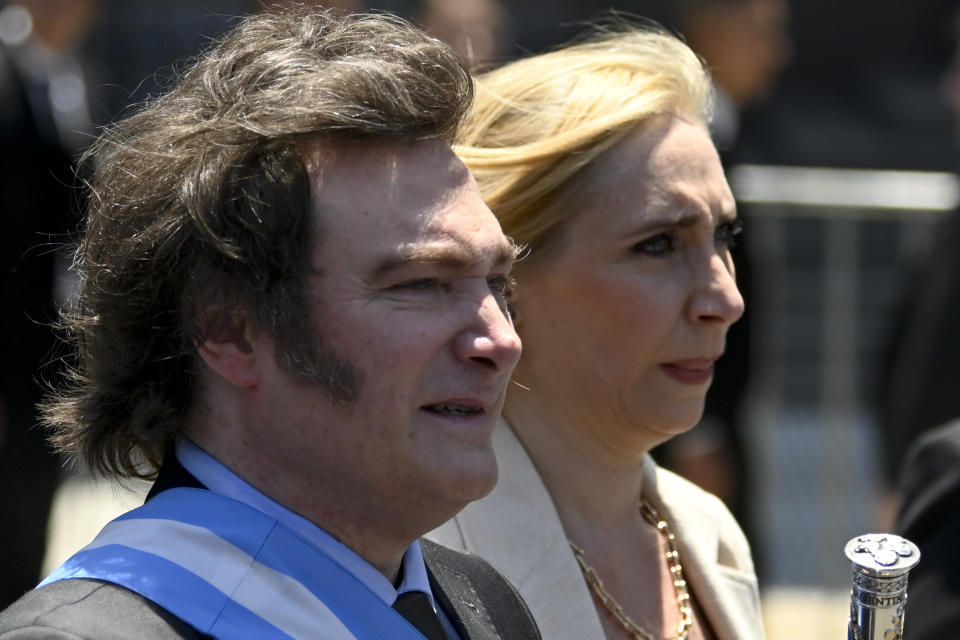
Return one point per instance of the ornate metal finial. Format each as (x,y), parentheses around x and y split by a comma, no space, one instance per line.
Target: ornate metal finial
(881,562)
(886,550)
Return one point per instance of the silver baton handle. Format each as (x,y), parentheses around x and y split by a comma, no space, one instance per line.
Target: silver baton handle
(881,562)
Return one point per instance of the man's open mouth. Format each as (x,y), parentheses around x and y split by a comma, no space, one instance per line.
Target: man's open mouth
(452,409)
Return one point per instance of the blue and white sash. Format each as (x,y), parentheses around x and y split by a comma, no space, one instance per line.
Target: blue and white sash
(231,571)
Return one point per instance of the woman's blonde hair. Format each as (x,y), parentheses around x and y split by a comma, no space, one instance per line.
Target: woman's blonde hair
(537,122)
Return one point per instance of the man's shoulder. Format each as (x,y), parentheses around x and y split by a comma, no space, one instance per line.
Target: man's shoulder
(478,594)
(89,609)
(475,569)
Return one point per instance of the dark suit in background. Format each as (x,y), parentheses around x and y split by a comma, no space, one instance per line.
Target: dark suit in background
(923,372)
(930,517)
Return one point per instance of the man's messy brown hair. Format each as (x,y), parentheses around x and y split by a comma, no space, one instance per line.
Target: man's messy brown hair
(199,214)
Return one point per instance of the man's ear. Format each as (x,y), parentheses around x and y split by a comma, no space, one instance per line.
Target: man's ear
(227,348)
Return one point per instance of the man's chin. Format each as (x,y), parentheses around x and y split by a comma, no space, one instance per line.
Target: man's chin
(472,480)
(488,483)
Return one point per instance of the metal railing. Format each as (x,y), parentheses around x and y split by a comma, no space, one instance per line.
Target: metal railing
(830,250)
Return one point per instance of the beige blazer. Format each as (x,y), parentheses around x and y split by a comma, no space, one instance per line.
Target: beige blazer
(517,529)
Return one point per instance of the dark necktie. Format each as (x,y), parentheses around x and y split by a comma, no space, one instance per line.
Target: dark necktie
(415,607)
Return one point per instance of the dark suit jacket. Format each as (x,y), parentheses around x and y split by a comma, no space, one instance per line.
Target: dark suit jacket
(480,603)
(930,517)
(919,386)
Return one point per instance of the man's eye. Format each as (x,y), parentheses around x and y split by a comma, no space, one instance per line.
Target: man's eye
(728,232)
(658,245)
(420,284)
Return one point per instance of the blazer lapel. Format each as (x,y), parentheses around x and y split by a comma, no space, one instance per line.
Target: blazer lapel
(454,593)
(721,579)
(539,563)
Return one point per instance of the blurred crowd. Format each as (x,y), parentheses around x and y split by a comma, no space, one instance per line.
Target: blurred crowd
(812,83)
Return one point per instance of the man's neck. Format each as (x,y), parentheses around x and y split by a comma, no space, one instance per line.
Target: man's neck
(314,520)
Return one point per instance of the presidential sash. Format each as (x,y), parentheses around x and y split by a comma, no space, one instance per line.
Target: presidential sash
(231,571)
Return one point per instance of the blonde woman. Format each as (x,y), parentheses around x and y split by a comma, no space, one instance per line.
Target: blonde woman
(597,157)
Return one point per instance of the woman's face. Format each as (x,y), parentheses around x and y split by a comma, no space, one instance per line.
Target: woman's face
(622,322)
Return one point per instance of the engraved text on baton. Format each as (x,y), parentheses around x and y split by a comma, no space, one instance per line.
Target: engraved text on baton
(881,562)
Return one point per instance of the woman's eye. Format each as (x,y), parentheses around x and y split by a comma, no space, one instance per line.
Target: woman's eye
(501,287)
(658,245)
(728,232)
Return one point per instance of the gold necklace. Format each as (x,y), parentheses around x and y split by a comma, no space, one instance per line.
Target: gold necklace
(679,583)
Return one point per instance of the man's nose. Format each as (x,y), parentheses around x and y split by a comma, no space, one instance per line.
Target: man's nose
(490,339)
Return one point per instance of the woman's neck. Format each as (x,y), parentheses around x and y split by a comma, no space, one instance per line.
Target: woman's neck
(594,483)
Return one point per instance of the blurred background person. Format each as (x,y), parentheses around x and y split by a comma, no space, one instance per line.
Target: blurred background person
(44,122)
(842,170)
(476,29)
(597,158)
(919,390)
(342,5)
(745,43)
(920,414)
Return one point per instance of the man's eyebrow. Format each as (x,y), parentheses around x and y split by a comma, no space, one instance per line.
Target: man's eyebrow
(446,254)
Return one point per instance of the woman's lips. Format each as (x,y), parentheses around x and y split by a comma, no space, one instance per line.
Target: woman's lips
(697,371)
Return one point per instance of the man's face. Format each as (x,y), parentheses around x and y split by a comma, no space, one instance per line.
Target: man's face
(408,290)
